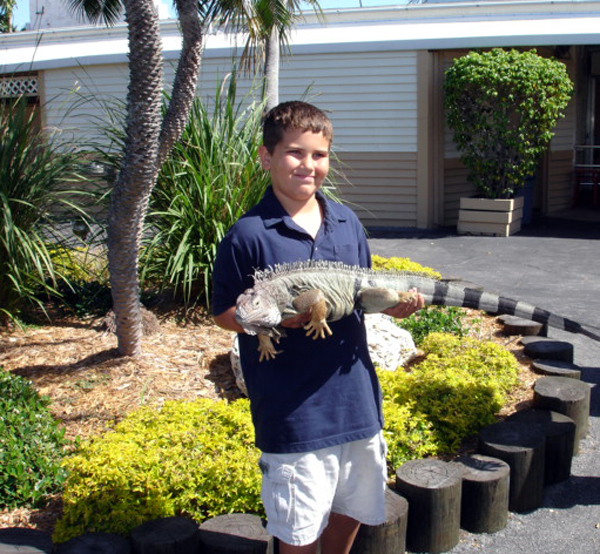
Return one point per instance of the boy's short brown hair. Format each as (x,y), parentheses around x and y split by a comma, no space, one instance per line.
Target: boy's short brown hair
(294,115)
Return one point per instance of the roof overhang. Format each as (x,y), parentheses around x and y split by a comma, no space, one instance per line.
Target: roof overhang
(418,27)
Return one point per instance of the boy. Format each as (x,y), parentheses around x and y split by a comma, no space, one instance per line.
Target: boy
(316,407)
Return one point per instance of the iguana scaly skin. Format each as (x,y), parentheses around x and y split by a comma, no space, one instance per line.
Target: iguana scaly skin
(331,290)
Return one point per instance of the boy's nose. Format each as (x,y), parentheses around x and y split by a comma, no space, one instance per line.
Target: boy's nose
(308,162)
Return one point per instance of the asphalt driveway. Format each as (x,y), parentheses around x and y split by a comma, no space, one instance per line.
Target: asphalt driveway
(554,265)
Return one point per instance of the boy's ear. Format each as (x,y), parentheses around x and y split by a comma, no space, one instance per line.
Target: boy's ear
(265,157)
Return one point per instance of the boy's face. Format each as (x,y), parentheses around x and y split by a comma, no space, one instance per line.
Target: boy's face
(298,165)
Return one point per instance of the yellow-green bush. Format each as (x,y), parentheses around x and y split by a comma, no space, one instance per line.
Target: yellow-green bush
(188,458)
(380,263)
(450,395)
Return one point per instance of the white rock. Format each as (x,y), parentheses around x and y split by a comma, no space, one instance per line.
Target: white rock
(389,345)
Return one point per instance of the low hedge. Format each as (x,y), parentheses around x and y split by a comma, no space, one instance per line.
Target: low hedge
(451,394)
(189,458)
(32,445)
(379,263)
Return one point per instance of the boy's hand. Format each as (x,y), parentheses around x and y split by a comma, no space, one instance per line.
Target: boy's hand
(298,321)
(405,309)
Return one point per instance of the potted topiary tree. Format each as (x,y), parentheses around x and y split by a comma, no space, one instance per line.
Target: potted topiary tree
(502,106)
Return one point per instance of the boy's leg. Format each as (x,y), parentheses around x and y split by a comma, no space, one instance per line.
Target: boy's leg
(339,534)
(336,539)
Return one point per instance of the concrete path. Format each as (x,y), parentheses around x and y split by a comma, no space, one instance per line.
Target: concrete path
(554,265)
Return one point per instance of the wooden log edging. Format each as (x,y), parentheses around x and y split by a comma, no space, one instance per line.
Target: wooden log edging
(566,396)
(390,536)
(557,368)
(15,540)
(95,543)
(548,349)
(513,325)
(433,490)
(560,441)
(235,533)
(522,447)
(169,535)
(485,493)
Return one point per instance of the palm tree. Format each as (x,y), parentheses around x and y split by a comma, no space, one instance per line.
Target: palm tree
(6,12)
(267,24)
(149,136)
(149,139)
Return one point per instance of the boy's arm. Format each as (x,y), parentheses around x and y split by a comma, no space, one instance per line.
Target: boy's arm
(226,320)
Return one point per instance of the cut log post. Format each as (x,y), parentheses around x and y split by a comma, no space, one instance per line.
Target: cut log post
(522,447)
(169,535)
(547,349)
(565,396)
(433,490)
(485,492)
(95,543)
(235,533)
(513,325)
(15,540)
(556,368)
(390,536)
(560,441)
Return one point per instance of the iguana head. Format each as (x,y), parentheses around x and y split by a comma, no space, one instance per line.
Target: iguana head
(257,312)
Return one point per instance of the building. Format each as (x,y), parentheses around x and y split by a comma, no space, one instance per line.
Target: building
(378,71)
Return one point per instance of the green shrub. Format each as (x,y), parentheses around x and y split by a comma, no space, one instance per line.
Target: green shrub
(37,174)
(31,445)
(189,458)
(86,289)
(211,179)
(435,319)
(454,392)
(502,106)
(379,263)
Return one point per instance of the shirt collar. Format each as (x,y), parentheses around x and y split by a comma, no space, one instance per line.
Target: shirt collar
(273,213)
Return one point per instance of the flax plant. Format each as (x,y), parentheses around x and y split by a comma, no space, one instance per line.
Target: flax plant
(212,178)
(34,196)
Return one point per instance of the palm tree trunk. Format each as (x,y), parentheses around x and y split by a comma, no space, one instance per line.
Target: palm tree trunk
(186,78)
(138,174)
(149,142)
(272,69)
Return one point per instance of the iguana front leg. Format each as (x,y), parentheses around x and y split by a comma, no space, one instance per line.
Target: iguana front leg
(266,347)
(314,301)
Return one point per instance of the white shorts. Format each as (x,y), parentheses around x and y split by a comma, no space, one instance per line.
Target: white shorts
(300,490)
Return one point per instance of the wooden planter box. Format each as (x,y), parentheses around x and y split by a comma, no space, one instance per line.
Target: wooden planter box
(491,217)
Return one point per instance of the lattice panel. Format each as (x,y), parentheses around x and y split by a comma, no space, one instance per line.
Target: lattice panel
(25,85)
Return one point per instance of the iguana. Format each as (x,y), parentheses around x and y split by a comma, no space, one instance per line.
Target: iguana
(332,290)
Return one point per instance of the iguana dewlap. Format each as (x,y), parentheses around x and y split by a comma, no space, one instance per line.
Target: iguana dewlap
(331,291)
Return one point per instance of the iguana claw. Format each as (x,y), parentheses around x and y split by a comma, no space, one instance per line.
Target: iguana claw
(266,348)
(319,328)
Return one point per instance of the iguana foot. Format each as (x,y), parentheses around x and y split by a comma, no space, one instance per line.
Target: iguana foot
(266,348)
(319,328)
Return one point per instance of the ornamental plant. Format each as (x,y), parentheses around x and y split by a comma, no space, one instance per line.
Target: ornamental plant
(502,106)
(194,458)
(452,394)
(32,445)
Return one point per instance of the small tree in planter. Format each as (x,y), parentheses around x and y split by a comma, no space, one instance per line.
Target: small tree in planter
(502,107)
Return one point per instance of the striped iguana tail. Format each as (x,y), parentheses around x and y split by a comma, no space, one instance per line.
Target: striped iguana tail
(444,293)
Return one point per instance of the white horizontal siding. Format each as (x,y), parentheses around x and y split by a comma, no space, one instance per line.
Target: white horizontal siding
(380,187)
(78,100)
(371,97)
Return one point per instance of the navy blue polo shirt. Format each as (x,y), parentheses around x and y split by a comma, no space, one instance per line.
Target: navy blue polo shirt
(315,393)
